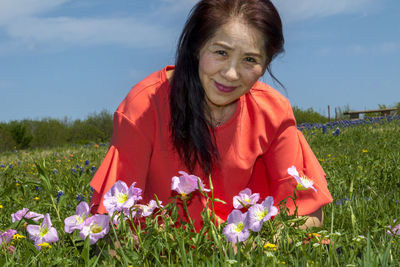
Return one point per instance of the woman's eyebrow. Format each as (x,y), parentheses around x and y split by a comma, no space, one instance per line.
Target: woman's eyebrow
(228,47)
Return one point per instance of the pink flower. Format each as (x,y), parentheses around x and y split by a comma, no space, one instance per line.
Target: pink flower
(75,222)
(186,184)
(236,230)
(95,227)
(303,182)
(260,213)
(25,213)
(120,197)
(147,210)
(245,199)
(43,232)
(395,230)
(7,236)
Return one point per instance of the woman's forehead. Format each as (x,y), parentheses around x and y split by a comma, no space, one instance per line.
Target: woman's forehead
(235,34)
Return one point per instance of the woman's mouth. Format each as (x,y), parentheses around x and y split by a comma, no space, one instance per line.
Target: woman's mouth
(223,88)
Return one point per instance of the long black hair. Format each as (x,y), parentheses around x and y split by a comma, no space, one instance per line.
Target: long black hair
(191,132)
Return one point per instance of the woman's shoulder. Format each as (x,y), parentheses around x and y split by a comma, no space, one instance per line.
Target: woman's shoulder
(268,98)
(145,93)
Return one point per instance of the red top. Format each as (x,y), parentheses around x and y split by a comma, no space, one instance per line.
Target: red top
(257,145)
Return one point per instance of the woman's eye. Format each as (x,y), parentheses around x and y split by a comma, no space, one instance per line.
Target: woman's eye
(250,59)
(220,52)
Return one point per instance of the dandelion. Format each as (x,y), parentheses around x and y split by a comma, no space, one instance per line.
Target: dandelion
(186,184)
(95,227)
(303,182)
(43,232)
(245,199)
(18,236)
(44,244)
(270,246)
(260,213)
(75,222)
(236,230)
(120,197)
(25,213)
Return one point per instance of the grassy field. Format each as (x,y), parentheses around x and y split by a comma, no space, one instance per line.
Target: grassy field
(362,162)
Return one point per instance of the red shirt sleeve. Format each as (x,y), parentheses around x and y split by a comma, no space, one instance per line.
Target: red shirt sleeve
(288,148)
(127,159)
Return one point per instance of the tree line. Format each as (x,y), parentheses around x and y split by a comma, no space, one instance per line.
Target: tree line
(49,132)
(96,128)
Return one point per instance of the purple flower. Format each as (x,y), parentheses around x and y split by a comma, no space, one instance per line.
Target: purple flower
(120,197)
(75,222)
(146,210)
(86,162)
(59,194)
(245,199)
(25,213)
(236,230)
(303,182)
(43,232)
(186,184)
(95,227)
(260,213)
(395,230)
(7,236)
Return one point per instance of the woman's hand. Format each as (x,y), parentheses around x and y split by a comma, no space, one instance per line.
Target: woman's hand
(315,219)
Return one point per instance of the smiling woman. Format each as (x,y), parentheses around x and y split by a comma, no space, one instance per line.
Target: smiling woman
(209,115)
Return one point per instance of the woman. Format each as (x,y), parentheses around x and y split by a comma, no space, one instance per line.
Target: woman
(210,115)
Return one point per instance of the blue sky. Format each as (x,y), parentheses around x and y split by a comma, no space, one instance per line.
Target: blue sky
(70,58)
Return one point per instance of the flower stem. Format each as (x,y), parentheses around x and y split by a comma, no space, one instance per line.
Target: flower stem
(188,215)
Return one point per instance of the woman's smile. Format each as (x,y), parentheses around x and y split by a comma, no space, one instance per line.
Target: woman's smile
(224,88)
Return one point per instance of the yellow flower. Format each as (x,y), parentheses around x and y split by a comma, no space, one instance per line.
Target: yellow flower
(1,206)
(18,236)
(36,198)
(44,244)
(364,151)
(17,184)
(270,246)
(311,235)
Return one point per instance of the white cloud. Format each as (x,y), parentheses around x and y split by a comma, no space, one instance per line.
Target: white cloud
(30,24)
(14,9)
(295,10)
(373,49)
(87,31)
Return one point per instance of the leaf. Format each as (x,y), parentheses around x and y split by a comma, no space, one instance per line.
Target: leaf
(85,251)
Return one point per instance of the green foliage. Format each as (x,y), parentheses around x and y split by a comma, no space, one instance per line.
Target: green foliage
(308,115)
(97,127)
(363,174)
(20,135)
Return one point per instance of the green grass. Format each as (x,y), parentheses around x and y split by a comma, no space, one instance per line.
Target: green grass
(363,172)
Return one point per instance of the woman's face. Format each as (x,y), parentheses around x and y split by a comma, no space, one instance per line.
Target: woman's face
(231,62)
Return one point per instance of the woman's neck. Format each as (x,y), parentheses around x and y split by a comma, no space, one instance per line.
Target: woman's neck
(221,114)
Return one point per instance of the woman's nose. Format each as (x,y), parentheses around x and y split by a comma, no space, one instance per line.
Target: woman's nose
(230,72)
